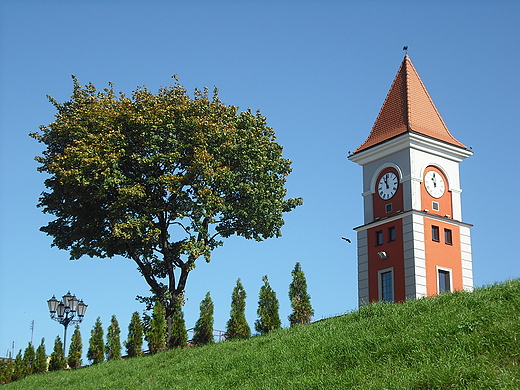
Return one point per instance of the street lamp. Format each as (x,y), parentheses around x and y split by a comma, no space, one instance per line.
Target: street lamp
(67,311)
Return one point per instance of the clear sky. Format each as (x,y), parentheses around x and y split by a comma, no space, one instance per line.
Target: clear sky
(319,71)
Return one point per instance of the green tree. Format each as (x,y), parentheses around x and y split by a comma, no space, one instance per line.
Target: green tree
(179,335)
(6,371)
(268,306)
(160,179)
(237,326)
(204,325)
(57,361)
(96,351)
(40,362)
(75,349)
(134,344)
(156,334)
(302,311)
(113,345)
(29,356)
(19,369)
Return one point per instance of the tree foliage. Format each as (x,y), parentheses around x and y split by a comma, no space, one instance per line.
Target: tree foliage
(302,311)
(57,361)
(179,335)
(160,179)
(75,349)
(29,355)
(134,343)
(204,325)
(156,334)
(19,368)
(237,326)
(268,307)
(96,348)
(113,344)
(6,371)
(40,362)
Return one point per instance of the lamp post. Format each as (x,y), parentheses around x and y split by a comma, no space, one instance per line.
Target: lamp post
(67,311)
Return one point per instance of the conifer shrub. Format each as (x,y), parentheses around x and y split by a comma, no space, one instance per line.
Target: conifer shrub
(178,334)
(113,344)
(57,361)
(96,349)
(40,361)
(302,311)
(204,325)
(134,343)
(19,370)
(237,326)
(29,356)
(268,307)
(156,334)
(76,349)
(6,371)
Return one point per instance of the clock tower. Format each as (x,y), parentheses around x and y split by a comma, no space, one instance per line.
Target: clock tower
(413,242)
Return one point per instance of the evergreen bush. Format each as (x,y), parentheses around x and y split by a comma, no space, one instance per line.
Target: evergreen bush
(6,371)
(19,369)
(237,326)
(29,356)
(302,311)
(204,325)
(113,345)
(57,361)
(40,362)
(268,306)
(96,350)
(178,334)
(134,343)
(156,334)
(76,349)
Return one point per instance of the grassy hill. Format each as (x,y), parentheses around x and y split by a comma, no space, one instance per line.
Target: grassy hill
(453,341)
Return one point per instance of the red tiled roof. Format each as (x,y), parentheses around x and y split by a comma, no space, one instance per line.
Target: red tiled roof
(408,108)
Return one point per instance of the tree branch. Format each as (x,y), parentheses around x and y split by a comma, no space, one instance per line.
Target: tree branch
(148,275)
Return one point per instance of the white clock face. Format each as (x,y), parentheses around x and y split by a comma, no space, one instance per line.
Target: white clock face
(434,184)
(387,186)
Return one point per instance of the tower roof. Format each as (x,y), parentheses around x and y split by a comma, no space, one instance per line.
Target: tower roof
(408,108)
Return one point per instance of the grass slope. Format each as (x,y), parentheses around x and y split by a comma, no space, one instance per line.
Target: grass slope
(453,341)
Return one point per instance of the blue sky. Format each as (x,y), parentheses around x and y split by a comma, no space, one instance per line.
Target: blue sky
(319,71)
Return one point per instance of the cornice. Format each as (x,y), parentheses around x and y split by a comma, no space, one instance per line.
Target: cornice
(410,140)
(424,214)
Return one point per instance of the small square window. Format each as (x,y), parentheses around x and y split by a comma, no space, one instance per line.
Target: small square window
(448,237)
(435,233)
(391,233)
(379,237)
(388,207)
(435,206)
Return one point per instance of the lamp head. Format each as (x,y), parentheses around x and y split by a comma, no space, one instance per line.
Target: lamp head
(53,304)
(82,308)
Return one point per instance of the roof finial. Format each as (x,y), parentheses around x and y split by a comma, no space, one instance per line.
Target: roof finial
(405,48)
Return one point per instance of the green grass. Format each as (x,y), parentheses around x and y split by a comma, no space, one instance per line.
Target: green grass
(453,341)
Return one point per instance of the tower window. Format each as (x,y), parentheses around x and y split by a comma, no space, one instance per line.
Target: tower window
(444,279)
(388,207)
(391,233)
(435,233)
(379,237)
(448,237)
(386,286)
(435,206)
